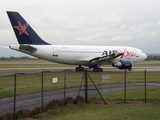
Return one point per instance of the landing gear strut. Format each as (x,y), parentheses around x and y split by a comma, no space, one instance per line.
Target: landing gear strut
(79,68)
(130,69)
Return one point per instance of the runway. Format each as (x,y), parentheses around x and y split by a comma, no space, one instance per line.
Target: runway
(135,69)
(31,101)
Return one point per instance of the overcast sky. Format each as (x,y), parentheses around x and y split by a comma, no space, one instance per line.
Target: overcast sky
(133,23)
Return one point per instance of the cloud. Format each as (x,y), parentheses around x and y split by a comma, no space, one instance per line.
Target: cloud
(88,22)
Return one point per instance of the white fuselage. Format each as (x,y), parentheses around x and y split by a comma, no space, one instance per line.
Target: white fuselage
(81,55)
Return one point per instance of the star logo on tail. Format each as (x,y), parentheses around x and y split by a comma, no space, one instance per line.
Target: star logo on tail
(22,28)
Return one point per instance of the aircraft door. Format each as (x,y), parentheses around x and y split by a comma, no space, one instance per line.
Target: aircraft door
(55,51)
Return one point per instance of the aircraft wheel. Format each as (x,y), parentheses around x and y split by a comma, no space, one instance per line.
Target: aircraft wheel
(97,70)
(79,69)
(130,69)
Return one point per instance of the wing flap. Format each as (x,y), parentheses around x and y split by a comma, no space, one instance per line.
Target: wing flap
(86,59)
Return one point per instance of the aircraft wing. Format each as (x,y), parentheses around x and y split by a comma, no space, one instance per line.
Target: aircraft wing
(107,58)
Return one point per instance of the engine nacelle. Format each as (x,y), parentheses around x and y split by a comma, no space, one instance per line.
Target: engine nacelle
(123,64)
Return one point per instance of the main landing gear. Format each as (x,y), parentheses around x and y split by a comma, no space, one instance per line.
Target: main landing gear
(79,68)
(95,69)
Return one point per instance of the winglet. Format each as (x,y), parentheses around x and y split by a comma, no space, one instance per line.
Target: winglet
(23,31)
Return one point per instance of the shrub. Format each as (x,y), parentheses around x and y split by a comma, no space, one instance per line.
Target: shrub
(50,105)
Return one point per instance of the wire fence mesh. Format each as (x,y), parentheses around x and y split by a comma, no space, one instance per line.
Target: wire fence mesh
(27,90)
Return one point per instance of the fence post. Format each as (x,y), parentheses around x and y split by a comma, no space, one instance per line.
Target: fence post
(42,89)
(42,92)
(145,92)
(125,85)
(15,87)
(65,88)
(14,109)
(86,86)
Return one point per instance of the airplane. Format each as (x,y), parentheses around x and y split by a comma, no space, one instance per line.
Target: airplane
(94,57)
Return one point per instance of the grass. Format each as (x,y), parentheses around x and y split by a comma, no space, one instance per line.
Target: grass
(112,112)
(31,66)
(31,83)
(152,95)
(102,112)
(133,110)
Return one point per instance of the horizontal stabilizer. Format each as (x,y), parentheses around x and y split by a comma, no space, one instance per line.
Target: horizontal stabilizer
(27,48)
(24,48)
(4,46)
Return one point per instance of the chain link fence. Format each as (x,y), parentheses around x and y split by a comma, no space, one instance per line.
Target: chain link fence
(28,90)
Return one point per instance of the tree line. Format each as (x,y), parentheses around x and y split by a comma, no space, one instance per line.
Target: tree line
(153,57)
(18,58)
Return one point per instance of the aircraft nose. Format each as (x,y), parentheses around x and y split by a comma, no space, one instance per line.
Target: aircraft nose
(144,56)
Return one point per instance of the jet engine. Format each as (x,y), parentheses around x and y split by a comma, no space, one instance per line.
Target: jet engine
(123,64)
